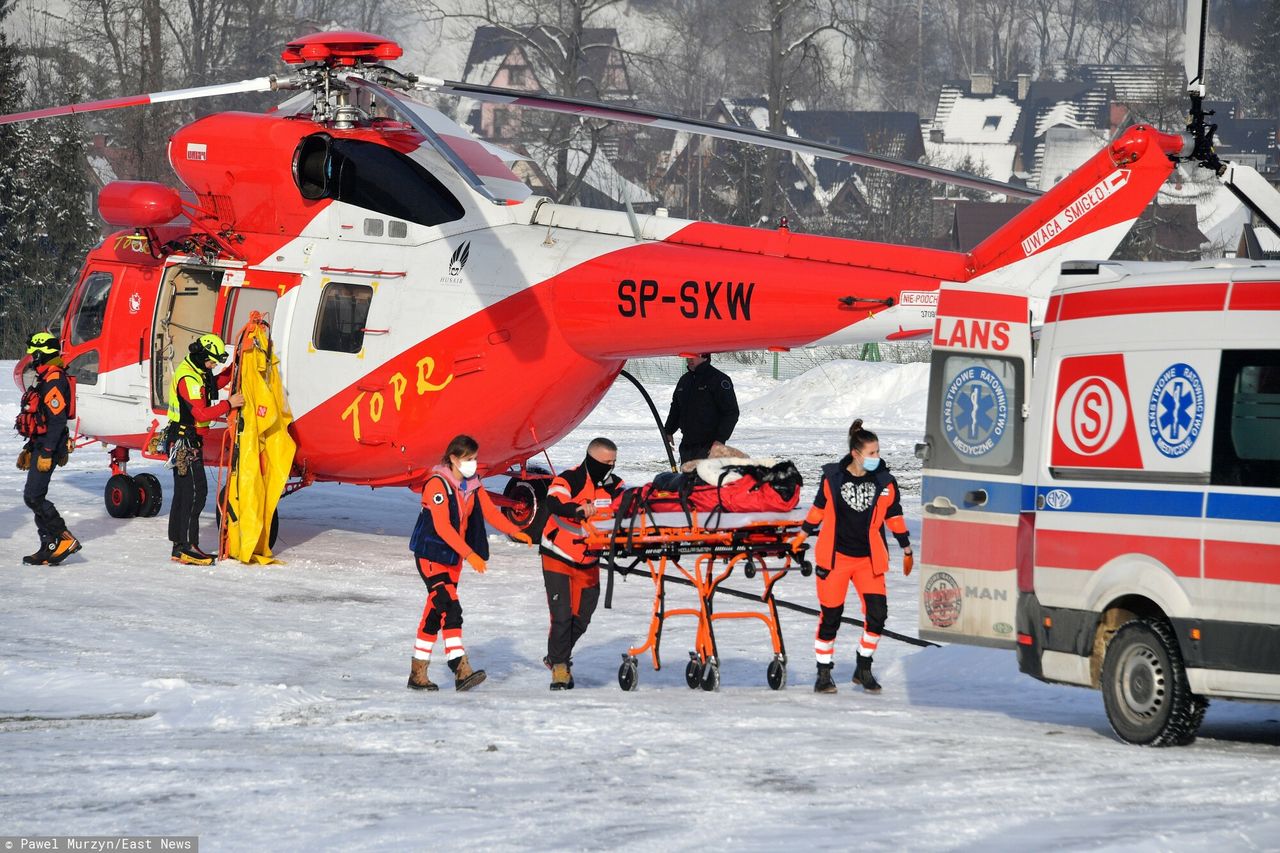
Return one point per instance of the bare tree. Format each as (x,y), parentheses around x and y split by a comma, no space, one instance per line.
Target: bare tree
(556,36)
(792,29)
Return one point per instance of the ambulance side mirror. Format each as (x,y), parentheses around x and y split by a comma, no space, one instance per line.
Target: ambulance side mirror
(922,451)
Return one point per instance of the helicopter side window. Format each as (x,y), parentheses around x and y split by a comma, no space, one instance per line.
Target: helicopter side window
(340,323)
(84,368)
(92,310)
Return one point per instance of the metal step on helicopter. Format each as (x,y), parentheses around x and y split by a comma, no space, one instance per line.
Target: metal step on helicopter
(416,288)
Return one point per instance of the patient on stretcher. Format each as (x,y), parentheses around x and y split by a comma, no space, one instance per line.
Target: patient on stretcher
(733,484)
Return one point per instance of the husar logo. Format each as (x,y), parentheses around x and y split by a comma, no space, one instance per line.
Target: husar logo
(1093,418)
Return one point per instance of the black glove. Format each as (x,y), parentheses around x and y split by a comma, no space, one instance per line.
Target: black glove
(821,573)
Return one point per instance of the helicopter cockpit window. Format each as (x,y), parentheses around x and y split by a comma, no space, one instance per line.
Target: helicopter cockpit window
(340,323)
(90,314)
(55,322)
(374,177)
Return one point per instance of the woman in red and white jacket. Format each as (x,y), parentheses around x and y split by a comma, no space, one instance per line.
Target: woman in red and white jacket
(451,529)
(856,500)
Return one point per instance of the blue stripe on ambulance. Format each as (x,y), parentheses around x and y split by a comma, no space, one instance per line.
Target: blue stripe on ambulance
(1009,498)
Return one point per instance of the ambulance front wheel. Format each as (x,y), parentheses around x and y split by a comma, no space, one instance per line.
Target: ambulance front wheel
(1144,687)
(275,517)
(121,496)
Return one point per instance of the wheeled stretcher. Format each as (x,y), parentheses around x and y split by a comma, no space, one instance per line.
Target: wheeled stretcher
(700,549)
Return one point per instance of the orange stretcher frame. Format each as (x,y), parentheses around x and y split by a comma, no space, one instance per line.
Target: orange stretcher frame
(759,547)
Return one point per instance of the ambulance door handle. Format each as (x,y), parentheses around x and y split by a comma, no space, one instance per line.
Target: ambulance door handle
(940,506)
(977,497)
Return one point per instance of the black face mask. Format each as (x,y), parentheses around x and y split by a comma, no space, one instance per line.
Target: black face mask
(596,469)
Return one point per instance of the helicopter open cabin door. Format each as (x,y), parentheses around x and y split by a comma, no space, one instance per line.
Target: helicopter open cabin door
(185,310)
(972,489)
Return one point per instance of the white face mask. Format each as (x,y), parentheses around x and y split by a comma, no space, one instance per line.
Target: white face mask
(467,467)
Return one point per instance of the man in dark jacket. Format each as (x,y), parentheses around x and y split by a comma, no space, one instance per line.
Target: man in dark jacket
(703,407)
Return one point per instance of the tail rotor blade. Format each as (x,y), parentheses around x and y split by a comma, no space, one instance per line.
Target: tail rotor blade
(667,121)
(259,84)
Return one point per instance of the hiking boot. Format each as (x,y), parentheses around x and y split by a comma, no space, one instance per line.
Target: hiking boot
(418,676)
(41,555)
(62,547)
(464,676)
(546,661)
(862,675)
(825,683)
(191,556)
(560,677)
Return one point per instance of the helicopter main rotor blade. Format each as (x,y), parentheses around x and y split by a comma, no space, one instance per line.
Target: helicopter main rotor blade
(668,121)
(1193,46)
(259,84)
(475,163)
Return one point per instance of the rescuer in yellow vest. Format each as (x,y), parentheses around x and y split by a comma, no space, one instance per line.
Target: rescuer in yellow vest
(191,408)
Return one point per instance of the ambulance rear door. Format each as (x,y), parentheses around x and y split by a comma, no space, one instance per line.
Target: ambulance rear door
(973,459)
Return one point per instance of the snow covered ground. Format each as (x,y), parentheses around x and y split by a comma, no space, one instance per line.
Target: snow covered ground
(265,708)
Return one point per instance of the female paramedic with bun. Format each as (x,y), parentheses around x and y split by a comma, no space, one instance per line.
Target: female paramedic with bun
(856,499)
(451,529)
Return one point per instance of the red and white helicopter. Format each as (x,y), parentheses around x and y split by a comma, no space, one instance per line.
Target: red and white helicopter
(416,289)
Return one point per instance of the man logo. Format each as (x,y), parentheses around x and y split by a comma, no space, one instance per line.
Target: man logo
(1092,415)
(459,259)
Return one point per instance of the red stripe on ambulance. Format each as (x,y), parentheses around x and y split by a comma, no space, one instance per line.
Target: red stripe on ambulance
(1255,296)
(970,544)
(1071,549)
(1143,300)
(1246,562)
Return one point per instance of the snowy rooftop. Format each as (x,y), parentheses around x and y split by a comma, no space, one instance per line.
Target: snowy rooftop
(990,120)
(992,160)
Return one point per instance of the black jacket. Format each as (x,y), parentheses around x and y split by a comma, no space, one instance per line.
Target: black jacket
(703,407)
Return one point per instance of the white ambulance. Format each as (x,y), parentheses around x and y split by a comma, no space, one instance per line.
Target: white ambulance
(1105,499)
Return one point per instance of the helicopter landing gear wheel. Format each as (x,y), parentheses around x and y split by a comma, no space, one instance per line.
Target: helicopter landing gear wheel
(693,672)
(776,675)
(121,496)
(628,673)
(530,513)
(150,495)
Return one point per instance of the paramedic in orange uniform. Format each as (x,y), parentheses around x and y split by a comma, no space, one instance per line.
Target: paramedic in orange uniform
(450,530)
(856,500)
(571,576)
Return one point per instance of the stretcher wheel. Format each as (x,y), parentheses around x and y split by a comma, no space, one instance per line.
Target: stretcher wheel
(777,674)
(628,674)
(121,496)
(150,495)
(711,677)
(693,674)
